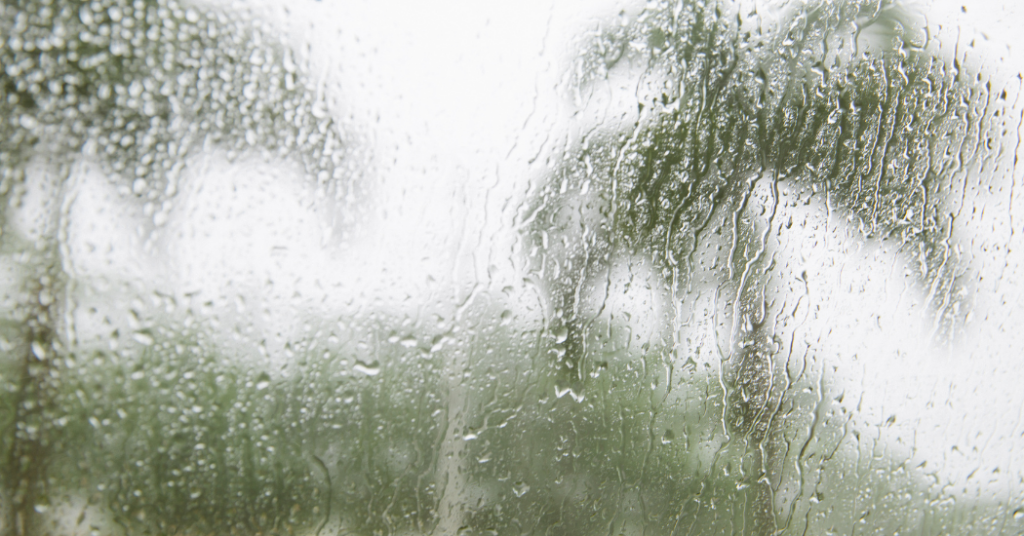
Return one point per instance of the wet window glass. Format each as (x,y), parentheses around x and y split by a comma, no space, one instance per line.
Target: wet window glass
(681,267)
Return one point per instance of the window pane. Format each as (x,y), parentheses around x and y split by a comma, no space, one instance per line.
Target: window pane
(574,268)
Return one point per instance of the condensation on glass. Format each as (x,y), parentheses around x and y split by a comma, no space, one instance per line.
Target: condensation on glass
(690,267)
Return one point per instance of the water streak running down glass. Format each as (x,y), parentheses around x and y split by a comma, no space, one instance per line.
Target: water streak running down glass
(695,267)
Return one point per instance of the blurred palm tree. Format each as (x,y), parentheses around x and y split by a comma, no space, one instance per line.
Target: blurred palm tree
(846,106)
(135,86)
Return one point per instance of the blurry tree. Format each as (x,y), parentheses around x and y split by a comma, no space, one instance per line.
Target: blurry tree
(846,106)
(136,86)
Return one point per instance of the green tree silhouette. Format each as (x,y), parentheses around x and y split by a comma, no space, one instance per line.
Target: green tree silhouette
(136,86)
(882,130)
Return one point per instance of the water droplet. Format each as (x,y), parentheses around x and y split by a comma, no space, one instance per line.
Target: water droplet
(578,397)
(370,369)
(437,343)
(520,488)
(135,88)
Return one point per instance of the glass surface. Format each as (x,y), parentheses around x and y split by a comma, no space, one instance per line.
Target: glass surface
(540,267)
